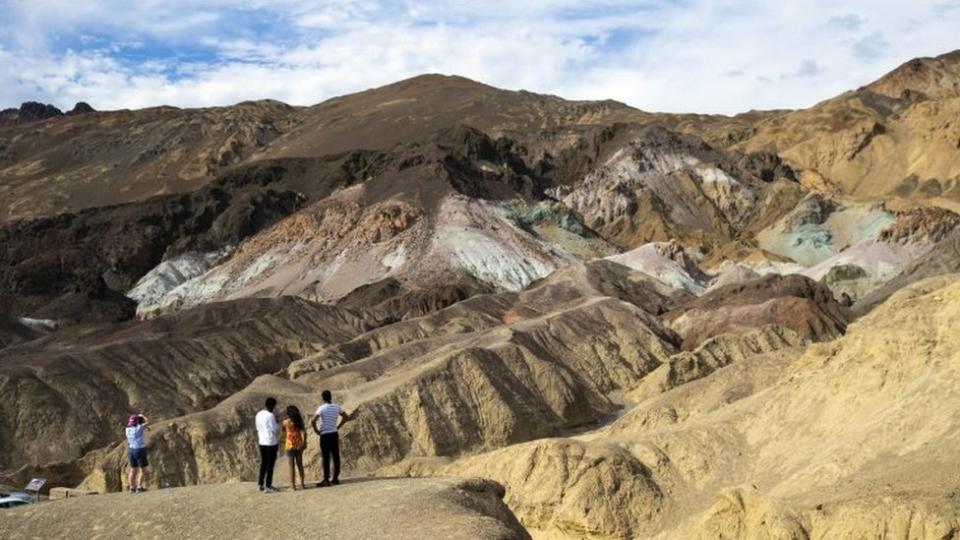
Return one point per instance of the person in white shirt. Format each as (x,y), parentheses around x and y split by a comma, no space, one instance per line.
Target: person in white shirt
(137,442)
(268,432)
(328,415)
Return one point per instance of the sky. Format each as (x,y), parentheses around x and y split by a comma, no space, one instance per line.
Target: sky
(709,56)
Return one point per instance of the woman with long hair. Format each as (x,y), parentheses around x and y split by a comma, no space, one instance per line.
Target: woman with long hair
(296,441)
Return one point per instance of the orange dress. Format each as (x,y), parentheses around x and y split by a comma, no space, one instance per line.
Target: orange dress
(294,437)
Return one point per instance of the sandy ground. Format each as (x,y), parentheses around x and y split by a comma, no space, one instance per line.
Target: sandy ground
(357,509)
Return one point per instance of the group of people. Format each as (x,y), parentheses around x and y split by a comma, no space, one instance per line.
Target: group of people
(326,423)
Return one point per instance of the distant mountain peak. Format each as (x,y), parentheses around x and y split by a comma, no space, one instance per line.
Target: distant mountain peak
(922,78)
(33,111)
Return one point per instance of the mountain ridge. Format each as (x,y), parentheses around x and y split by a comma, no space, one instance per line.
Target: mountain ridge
(641,324)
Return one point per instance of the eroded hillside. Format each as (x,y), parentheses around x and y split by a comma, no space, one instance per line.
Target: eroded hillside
(640,324)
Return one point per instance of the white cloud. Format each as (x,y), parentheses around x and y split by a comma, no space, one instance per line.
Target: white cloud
(870,47)
(848,21)
(701,55)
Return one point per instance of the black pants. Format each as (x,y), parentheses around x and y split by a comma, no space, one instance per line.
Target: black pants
(268,458)
(330,447)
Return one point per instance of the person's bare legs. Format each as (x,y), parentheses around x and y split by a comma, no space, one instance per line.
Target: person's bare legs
(131,475)
(303,479)
(293,475)
(143,477)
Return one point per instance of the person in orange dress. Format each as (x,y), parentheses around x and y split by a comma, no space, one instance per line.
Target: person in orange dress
(295,443)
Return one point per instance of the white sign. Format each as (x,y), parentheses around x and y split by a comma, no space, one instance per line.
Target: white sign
(35,484)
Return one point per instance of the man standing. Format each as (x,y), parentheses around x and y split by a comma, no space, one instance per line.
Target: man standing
(328,414)
(268,431)
(137,442)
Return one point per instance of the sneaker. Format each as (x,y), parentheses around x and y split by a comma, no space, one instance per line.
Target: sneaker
(141,489)
(133,489)
(335,482)
(325,483)
(259,488)
(271,489)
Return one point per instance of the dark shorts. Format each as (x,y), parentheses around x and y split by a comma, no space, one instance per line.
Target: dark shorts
(138,457)
(294,453)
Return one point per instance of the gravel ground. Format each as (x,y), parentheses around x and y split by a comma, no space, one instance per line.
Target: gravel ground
(357,509)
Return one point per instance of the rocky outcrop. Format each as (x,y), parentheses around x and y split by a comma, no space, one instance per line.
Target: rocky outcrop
(554,485)
(662,185)
(387,300)
(922,79)
(794,302)
(29,111)
(944,258)
(668,263)
(713,354)
(921,225)
(81,107)
(858,269)
(888,140)
(744,512)
(820,228)
(848,282)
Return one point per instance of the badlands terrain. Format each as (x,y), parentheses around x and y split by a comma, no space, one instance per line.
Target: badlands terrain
(561,319)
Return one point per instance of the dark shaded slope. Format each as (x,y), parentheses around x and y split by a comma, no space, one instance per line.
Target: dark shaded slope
(388,301)
(76,266)
(12,331)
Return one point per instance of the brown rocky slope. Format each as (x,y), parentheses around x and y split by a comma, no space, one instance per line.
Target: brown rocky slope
(894,139)
(78,383)
(813,447)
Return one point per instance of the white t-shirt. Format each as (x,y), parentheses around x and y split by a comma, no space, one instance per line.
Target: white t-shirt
(137,437)
(267,428)
(329,414)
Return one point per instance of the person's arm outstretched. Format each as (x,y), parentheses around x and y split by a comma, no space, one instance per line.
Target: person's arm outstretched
(146,421)
(346,417)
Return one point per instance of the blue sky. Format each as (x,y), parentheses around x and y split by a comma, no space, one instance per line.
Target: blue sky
(712,56)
